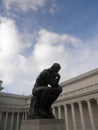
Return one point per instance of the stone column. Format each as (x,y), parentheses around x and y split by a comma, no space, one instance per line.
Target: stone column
(91,115)
(17,122)
(82,116)
(97,101)
(12,117)
(0,116)
(25,115)
(22,116)
(54,111)
(6,118)
(66,117)
(59,112)
(73,116)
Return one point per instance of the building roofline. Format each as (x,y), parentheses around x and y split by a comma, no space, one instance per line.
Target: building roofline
(63,84)
(80,77)
(14,95)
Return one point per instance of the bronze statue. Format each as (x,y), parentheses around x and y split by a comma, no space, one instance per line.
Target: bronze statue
(46,90)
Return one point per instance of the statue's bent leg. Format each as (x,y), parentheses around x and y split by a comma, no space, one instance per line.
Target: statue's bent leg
(52,97)
(37,103)
(44,98)
(31,109)
(34,111)
(41,97)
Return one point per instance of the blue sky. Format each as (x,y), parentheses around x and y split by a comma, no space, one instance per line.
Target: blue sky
(35,34)
(78,17)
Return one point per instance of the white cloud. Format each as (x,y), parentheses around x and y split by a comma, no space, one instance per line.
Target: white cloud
(19,71)
(11,47)
(9,36)
(75,56)
(48,48)
(25,4)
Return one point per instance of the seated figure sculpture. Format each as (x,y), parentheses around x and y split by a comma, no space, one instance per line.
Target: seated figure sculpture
(46,90)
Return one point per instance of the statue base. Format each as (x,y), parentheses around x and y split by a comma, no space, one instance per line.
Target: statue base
(43,124)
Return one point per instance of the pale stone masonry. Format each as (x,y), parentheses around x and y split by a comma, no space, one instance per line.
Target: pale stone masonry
(77,104)
(13,108)
(43,124)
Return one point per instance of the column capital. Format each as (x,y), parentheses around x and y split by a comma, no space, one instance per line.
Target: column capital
(80,101)
(87,100)
(67,104)
(72,103)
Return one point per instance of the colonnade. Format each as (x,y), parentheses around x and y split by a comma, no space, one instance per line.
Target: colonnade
(78,115)
(11,120)
(81,115)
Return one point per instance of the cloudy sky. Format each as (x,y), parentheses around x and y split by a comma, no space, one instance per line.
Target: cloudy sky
(36,33)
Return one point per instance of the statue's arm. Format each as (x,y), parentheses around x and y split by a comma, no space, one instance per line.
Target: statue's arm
(55,80)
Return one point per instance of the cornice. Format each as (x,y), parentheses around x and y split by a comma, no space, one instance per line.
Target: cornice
(2,94)
(80,77)
(78,93)
(14,106)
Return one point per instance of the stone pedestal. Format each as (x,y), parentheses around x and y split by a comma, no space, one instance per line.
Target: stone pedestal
(43,124)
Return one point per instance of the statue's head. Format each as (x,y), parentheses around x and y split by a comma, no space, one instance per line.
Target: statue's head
(55,67)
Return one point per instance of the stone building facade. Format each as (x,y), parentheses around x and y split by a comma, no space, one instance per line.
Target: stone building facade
(13,108)
(77,104)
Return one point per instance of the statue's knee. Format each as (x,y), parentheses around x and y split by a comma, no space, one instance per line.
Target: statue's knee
(48,90)
(59,89)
